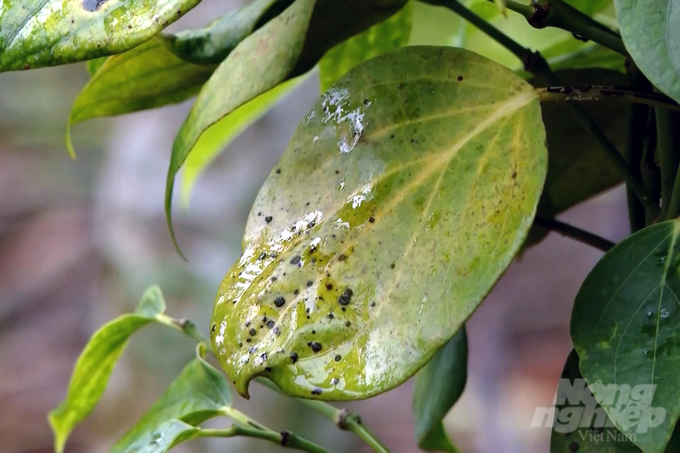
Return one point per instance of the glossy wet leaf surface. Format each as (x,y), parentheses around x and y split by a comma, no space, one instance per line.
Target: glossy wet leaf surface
(287,46)
(651,34)
(96,363)
(579,425)
(387,35)
(438,386)
(199,393)
(624,330)
(401,199)
(36,33)
(164,437)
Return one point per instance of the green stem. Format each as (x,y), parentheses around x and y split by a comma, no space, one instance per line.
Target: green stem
(633,153)
(668,145)
(186,327)
(285,438)
(605,93)
(536,64)
(674,206)
(575,233)
(342,418)
(558,14)
(651,176)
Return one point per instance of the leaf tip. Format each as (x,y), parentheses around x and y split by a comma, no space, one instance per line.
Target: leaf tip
(169,185)
(69,142)
(241,386)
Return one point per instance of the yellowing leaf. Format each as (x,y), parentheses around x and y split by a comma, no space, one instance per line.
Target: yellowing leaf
(36,33)
(401,199)
(96,363)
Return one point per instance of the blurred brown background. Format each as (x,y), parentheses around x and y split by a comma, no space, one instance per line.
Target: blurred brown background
(81,240)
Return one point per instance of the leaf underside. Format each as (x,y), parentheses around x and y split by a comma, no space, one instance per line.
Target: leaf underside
(401,199)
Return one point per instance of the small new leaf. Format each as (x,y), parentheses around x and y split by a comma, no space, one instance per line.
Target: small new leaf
(199,393)
(438,386)
(95,365)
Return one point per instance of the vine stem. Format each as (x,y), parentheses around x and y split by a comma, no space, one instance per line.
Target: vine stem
(575,233)
(342,418)
(537,65)
(605,93)
(345,420)
(558,14)
(285,438)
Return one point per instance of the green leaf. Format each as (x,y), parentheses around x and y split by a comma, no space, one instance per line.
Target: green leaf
(390,34)
(435,26)
(199,393)
(167,69)
(589,56)
(220,134)
(287,46)
(401,199)
(37,33)
(578,424)
(589,7)
(438,386)
(573,153)
(652,37)
(146,77)
(164,437)
(95,365)
(624,332)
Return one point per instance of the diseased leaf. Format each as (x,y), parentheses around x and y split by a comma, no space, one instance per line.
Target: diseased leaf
(438,386)
(387,35)
(37,33)
(579,424)
(220,134)
(651,34)
(573,153)
(168,68)
(401,199)
(95,365)
(199,393)
(287,46)
(624,332)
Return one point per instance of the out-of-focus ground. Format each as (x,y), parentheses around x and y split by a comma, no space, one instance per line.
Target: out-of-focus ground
(80,241)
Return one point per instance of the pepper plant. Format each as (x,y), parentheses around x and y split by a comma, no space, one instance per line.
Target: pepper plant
(405,193)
